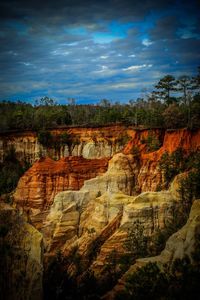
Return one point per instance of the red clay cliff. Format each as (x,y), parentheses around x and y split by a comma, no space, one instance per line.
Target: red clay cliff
(39,185)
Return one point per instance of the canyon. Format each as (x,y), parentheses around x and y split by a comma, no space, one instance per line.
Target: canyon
(88,142)
(84,199)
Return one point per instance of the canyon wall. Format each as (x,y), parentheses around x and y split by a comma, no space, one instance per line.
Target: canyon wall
(89,203)
(101,211)
(39,185)
(181,244)
(134,171)
(86,142)
(100,143)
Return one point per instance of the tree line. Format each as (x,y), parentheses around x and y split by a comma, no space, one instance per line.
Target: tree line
(174,103)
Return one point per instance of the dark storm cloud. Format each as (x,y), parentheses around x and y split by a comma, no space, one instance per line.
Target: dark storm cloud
(77,11)
(94,49)
(165,28)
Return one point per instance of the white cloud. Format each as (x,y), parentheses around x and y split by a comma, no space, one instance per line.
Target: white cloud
(132,55)
(147,42)
(125,85)
(137,67)
(104,57)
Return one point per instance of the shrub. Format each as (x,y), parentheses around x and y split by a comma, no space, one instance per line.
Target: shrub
(123,140)
(152,142)
(172,164)
(136,242)
(45,138)
(147,282)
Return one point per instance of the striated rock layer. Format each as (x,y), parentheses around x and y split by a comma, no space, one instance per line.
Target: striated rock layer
(97,142)
(39,185)
(180,244)
(150,177)
(131,173)
(101,212)
(87,142)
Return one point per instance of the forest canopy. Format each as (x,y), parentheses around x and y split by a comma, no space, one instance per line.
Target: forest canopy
(174,103)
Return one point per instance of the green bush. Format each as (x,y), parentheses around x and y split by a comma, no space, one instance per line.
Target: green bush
(147,282)
(189,189)
(172,164)
(177,280)
(136,242)
(45,138)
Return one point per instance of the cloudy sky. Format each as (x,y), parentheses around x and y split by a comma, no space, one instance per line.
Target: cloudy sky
(89,50)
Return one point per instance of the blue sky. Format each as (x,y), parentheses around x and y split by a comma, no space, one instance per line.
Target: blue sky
(90,50)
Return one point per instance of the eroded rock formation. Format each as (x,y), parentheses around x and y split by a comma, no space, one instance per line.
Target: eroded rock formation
(39,185)
(180,244)
(150,176)
(86,142)
(130,174)
(85,204)
(100,210)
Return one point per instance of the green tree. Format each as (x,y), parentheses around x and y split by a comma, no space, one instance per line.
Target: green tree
(147,282)
(105,103)
(136,242)
(165,86)
(185,84)
(173,116)
(172,164)
(45,138)
(45,101)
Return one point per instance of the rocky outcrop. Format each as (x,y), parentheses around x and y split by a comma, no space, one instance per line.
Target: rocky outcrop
(39,185)
(98,142)
(183,241)
(180,244)
(169,141)
(87,142)
(151,209)
(101,211)
(144,143)
(21,257)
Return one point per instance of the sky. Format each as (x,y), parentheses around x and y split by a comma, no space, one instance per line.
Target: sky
(91,50)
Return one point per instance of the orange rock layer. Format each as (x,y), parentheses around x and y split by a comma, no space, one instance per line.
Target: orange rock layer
(39,185)
(150,176)
(170,140)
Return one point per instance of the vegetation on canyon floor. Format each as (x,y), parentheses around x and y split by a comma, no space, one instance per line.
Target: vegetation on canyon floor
(180,281)
(177,281)
(175,103)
